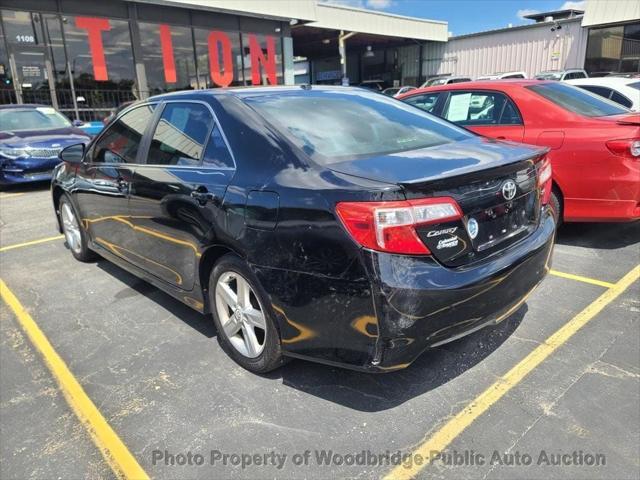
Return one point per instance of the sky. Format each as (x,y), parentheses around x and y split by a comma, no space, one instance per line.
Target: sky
(466,16)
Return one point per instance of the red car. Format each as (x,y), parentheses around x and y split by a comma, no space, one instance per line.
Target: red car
(594,143)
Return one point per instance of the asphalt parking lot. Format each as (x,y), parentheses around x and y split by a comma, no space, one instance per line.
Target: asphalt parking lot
(560,376)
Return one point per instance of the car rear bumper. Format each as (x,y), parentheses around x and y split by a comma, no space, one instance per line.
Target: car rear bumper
(421,304)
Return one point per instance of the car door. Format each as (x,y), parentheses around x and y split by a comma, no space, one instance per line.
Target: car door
(104,179)
(177,192)
(487,113)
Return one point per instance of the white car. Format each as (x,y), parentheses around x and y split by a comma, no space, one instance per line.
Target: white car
(502,76)
(625,91)
(562,75)
(397,91)
(444,80)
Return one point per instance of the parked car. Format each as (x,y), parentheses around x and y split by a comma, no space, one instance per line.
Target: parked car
(595,143)
(91,128)
(503,76)
(395,91)
(377,85)
(624,91)
(327,223)
(562,75)
(31,137)
(445,80)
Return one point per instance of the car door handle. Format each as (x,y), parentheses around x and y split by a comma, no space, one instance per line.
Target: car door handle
(202,195)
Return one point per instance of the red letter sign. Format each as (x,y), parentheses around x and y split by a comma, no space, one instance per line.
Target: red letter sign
(268,62)
(224,78)
(94,28)
(167,54)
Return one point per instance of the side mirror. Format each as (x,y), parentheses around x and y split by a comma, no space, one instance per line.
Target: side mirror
(72,153)
(78,123)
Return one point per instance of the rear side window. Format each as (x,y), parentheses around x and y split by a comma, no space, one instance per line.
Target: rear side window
(217,154)
(180,135)
(426,101)
(621,99)
(577,100)
(602,91)
(121,140)
(481,108)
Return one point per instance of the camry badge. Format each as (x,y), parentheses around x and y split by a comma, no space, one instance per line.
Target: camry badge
(509,189)
(472,228)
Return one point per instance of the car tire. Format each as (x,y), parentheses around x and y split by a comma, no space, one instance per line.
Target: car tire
(556,207)
(75,235)
(243,317)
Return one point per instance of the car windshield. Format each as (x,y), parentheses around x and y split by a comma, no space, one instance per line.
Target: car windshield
(391,91)
(41,118)
(436,81)
(335,126)
(577,100)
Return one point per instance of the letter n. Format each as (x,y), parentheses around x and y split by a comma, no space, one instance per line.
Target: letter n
(258,58)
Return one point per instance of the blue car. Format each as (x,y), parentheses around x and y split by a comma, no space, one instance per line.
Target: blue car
(31,136)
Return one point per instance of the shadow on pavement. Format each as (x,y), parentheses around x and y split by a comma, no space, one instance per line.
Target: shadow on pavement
(608,236)
(26,187)
(371,392)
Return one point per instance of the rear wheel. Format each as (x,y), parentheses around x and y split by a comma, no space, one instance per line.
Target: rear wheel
(240,308)
(74,234)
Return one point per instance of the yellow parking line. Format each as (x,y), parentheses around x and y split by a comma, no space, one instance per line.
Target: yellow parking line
(32,242)
(454,427)
(116,454)
(9,195)
(580,278)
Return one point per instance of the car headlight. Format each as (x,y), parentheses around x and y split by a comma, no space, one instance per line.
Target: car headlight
(14,153)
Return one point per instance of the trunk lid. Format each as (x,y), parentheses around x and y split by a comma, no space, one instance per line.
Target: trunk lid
(494,183)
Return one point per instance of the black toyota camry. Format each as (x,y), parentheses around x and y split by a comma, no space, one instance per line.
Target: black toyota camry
(323,223)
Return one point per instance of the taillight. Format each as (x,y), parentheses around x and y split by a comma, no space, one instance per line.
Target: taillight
(628,147)
(544,180)
(391,226)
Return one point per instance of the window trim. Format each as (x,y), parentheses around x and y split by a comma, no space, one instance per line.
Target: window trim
(487,91)
(94,142)
(146,143)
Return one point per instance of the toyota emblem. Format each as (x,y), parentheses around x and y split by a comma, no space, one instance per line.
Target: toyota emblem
(509,190)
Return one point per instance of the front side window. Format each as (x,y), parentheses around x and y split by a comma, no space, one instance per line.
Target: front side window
(481,108)
(577,100)
(621,99)
(180,135)
(426,102)
(332,126)
(121,140)
(41,118)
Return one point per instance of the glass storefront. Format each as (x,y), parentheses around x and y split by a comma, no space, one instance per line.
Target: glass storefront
(88,65)
(614,49)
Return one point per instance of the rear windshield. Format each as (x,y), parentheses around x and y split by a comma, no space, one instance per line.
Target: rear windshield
(578,100)
(334,126)
(41,118)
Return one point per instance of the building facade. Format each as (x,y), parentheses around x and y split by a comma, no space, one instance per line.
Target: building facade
(87,57)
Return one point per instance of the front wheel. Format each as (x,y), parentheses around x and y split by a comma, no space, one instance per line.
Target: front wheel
(240,308)
(74,234)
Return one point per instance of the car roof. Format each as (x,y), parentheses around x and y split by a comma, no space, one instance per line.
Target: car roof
(253,91)
(504,84)
(604,81)
(23,106)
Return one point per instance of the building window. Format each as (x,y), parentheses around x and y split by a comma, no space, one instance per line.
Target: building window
(219,58)
(614,49)
(101,59)
(168,57)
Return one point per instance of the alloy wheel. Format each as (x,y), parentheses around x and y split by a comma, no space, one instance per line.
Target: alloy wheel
(71,228)
(240,314)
